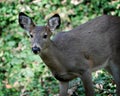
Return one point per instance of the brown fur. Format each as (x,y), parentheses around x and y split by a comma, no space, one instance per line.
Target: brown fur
(78,52)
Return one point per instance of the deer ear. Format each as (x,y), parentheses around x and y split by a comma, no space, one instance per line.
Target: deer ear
(25,21)
(54,22)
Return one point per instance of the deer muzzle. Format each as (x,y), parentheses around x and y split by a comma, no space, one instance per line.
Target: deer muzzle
(35,50)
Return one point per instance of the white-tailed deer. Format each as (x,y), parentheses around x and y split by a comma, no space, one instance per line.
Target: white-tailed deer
(78,52)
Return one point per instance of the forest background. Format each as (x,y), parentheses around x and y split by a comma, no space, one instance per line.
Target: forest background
(24,74)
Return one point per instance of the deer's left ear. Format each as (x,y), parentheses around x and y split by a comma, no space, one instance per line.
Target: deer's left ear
(54,22)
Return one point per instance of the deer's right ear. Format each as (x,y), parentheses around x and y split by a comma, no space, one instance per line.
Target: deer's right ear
(25,21)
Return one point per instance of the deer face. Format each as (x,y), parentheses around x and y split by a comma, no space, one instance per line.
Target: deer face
(40,35)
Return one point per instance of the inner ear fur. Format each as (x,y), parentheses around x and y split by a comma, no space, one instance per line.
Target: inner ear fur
(54,22)
(25,21)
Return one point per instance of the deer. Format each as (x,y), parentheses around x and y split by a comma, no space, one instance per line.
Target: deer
(78,52)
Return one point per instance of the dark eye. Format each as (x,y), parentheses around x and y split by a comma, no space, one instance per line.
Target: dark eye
(31,35)
(45,36)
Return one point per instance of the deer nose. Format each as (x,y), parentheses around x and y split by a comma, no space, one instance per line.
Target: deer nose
(35,50)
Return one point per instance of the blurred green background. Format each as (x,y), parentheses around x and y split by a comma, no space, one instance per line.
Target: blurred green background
(24,74)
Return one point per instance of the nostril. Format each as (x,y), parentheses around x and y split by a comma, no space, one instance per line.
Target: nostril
(35,50)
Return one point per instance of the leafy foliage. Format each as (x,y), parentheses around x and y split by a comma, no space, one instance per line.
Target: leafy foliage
(24,74)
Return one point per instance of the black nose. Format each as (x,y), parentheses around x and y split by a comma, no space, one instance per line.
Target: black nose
(35,50)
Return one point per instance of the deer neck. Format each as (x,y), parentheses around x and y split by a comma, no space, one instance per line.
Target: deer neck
(52,57)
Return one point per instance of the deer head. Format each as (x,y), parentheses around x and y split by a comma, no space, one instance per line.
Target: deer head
(40,35)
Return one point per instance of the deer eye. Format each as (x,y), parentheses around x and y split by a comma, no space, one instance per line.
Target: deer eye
(45,36)
(31,35)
